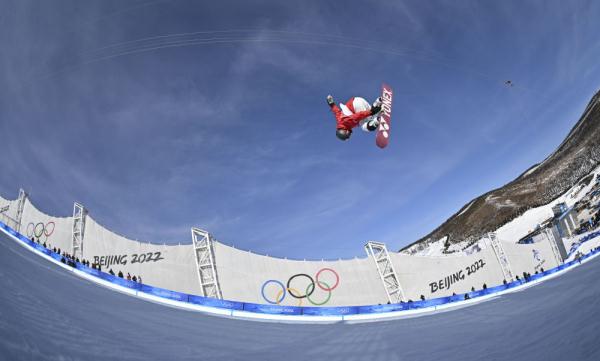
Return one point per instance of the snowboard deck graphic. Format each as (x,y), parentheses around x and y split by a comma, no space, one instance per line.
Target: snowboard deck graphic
(385,116)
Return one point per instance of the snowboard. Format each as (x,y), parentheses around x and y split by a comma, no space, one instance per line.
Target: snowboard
(385,116)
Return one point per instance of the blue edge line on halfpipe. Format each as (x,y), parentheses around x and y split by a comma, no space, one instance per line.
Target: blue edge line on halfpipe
(290,313)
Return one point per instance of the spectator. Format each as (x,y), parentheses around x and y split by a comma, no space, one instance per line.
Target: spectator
(467,296)
(484,286)
(99,267)
(134,278)
(128,277)
(504,282)
(120,274)
(422,298)
(140,279)
(54,249)
(472,289)
(62,259)
(44,244)
(111,272)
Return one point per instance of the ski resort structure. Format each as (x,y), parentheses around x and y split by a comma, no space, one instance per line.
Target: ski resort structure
(209,276)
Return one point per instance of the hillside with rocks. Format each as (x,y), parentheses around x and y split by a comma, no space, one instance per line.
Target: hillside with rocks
(569,164)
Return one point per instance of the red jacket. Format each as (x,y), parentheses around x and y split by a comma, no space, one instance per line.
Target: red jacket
(348,121)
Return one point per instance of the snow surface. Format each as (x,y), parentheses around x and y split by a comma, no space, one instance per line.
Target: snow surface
(47,313)
(434,248)
(527,222)
(531,170)
(466,208)
(515,229)
(574,243)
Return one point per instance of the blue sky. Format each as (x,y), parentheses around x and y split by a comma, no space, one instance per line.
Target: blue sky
(158,115)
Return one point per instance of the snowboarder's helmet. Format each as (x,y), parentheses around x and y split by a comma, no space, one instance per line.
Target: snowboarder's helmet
(343,134)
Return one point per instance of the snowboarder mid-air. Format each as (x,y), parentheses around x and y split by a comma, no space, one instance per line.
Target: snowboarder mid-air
(356,111)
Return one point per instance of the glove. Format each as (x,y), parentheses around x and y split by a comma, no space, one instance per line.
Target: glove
(330,101)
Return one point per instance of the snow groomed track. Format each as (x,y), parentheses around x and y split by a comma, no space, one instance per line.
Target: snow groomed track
(288,313)
(47,313)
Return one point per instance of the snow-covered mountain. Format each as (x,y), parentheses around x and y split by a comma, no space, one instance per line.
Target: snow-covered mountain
(567,167)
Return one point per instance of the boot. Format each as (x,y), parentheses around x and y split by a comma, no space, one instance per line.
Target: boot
(373,124)
(377,102)
(376,108)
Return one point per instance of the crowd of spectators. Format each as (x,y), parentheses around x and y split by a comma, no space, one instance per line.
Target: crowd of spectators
(526,278)
(134,278)
(72,261)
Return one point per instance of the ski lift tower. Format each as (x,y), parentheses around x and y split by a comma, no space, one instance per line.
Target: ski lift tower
(20,207)
(204,254)
(501,256)
(386,271)
(79,216)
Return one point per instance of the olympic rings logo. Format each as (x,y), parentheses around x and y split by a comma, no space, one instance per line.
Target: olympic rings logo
(39,229)
(312,285)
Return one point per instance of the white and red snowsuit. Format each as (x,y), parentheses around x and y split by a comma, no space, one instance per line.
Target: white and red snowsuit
(347,116)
